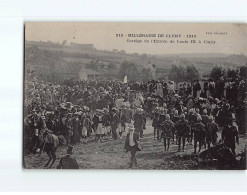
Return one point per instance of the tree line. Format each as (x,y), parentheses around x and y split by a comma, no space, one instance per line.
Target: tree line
(178,73)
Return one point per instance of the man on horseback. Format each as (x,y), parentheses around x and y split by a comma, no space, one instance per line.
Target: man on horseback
(36,125)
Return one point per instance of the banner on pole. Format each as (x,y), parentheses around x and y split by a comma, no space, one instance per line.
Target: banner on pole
(125,79)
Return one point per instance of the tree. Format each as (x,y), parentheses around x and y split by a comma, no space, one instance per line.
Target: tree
(130,70)
(217,72)
(243,71)
(123,51)
(232,74)
(147,74)
(64,42)
(112,66)
(192,73)
(177,74)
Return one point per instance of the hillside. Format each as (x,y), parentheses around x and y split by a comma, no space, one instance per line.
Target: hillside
(80,56)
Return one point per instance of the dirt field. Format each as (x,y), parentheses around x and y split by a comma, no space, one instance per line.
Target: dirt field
(111,155)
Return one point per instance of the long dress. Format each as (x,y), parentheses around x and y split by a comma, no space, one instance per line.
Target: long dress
(85,127)
(100,129)
(75,129)
(159,91)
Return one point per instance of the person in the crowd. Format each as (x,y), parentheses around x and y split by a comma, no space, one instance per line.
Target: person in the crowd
(132,144)
(205,88)
(98,122)
(192,118)
(107,123)
(168,129)
(229,135)
(161,120)
(175,119)
(211,132)
(128,113)
(138,122)
(199,134)
(75,126)
(242,90)
(86,127)
(155,124)
(65,128)
(205,117)
(36,124)
(114,123)
(50,124)
(122,123)
(182,131)
(144,122)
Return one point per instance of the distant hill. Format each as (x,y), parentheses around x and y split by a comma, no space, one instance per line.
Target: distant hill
(85,54)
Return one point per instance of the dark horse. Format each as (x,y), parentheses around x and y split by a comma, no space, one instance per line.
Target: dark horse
(48,143)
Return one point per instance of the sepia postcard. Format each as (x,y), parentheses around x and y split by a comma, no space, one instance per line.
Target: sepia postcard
(135,95)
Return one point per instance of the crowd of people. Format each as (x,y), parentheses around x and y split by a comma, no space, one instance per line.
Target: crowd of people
(77,110)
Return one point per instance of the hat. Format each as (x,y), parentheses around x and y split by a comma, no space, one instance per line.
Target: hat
(70,149)
(167,117)
(217,100)
(210,118)
(123,104)
(114,109)
(69,114)
(51,115)
(138,110)
(182,116)
(199,118)
(77,113)
(86,108)
(101,111)
(105,110)
(63,110)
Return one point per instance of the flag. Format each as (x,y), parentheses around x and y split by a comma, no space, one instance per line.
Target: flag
(125,79)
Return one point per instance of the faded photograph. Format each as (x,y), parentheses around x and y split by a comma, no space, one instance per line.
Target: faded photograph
(136,96)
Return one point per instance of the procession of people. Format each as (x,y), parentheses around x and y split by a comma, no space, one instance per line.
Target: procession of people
(77,111)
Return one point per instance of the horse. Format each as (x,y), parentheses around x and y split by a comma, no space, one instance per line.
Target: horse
(49,143)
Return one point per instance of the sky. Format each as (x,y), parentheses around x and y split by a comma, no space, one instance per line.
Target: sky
(214,37)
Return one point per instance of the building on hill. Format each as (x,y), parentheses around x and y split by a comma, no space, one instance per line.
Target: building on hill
(89,74)
(88,47)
